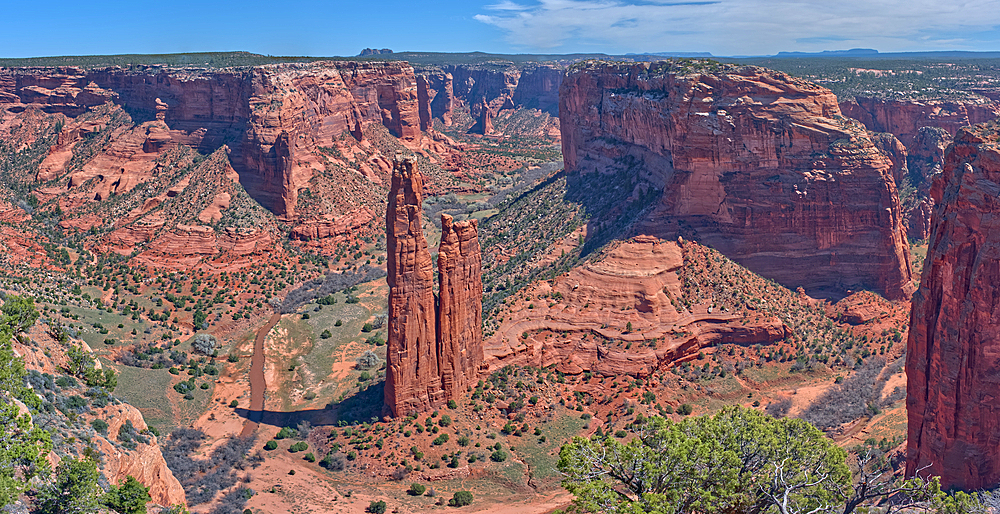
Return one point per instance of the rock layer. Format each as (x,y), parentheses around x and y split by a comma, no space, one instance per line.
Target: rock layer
(431,356)
(755,163)
(953,350)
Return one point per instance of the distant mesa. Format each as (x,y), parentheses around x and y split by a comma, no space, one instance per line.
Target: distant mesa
(854,52)
(368,52)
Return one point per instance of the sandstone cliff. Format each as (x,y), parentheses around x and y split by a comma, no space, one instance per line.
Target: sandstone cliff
(952,350)
(925,127)
(753,162)
(460,312)
(431,356)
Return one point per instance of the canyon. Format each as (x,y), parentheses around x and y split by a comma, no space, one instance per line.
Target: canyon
(435,343)
(952,347)
(755,163)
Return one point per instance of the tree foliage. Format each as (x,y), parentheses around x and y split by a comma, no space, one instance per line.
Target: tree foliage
(73,490)
(128,497)
(736,461)
(22,446)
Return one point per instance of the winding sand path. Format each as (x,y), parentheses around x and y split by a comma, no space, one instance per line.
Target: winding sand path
(257,383)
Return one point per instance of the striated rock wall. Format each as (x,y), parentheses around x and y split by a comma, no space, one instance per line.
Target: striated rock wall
(953,349)
(413,378)
(460,311)
(495,85)
(431,355)
(755,163)
(904,118)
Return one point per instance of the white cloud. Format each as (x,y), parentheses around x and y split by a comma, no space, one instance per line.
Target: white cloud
(734,27)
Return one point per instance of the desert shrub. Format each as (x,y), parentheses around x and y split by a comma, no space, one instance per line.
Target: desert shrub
(326,334)
(204,344)
(461,499)
(100,426)
(300,446)
(498,456)
(779,409)
(368,360)
(685,409)
(271,445)
(309,457)
(416,489)
(202,479)
(856,396)
(285,433)
(333,461)
(376,507)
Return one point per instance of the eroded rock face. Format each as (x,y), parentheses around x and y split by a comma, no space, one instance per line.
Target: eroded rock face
(413,379)
(953,350)
(460,313)
(905,118)
(433,352)
(755,163)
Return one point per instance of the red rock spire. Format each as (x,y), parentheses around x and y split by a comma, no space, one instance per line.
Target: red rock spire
(460,312)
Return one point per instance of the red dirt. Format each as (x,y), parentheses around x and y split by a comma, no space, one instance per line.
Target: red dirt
(257,383)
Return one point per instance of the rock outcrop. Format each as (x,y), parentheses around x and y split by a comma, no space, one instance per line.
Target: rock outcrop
(755,163)
(460,312)
(953,350)
(484,125)
(430,356)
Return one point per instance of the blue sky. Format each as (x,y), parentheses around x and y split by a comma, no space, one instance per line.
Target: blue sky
(311,27)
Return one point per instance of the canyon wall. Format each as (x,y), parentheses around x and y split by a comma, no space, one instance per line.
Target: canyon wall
(953,349)
(435,346)
(492,86)
(925,127)
(755,163)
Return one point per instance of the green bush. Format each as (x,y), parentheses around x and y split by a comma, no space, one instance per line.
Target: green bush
(309,457)
(300,446)
(416,489)
(326,334)
(284,433)
(271,445)
(461,499)
(498,456)
(100,425)
(685,409)
(377,507)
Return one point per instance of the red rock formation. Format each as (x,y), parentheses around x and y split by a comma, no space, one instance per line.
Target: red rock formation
(753,162)
(903,118)
(485,124)
(953,350)
(413,378)
(926,157)
(431,356)
(460,311)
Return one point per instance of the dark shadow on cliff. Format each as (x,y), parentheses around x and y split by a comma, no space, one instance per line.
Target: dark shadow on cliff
(362,406)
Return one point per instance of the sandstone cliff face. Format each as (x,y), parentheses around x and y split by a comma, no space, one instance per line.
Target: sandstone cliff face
(431,356)
(953,354)
(460,313)
(413,380)
(925,127)
(753,162)
(502,85)
(904,118)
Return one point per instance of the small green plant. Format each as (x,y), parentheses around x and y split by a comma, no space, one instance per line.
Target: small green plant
(271,445)
(309,457)
(300,446)
(461,499)
(376,507)
(416,489)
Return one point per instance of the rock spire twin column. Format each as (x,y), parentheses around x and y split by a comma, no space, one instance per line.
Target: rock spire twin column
(435,343)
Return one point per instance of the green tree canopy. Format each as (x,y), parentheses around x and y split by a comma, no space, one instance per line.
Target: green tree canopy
(738,460)
(74,489)
(128,497)
(22,446)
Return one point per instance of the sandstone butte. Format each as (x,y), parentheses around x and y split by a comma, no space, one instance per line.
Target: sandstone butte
(753,162)
(431,355)
(953,349)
